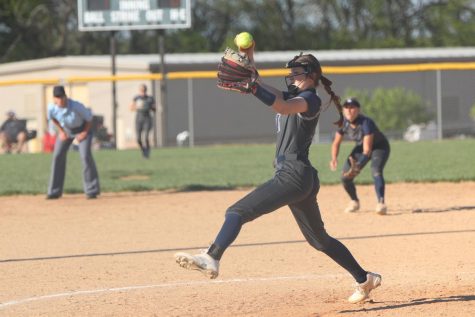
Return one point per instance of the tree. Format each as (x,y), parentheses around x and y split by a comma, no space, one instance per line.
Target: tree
(472,112)
(42,28)
(34,29)
(392,109)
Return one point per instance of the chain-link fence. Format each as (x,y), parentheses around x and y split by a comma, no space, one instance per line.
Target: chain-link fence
(204,114)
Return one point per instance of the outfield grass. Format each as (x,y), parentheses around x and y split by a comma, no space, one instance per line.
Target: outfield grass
(219,167)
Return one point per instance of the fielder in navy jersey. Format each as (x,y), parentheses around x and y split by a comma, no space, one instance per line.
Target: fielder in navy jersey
(371,145)
(295,182)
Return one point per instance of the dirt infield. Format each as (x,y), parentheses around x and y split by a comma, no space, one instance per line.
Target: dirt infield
(114,256)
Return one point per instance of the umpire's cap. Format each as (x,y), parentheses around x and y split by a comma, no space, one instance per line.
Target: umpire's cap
(58,91)
(352,102)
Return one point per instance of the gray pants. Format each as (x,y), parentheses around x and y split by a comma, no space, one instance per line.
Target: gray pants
(296,184)
(58,167)
(143,126)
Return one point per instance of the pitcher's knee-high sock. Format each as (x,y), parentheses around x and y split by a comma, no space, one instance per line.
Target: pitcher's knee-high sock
(228,233)
(341,255)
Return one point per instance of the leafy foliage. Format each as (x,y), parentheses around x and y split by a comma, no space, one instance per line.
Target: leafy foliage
(275,24)
(472,112)
(392,109)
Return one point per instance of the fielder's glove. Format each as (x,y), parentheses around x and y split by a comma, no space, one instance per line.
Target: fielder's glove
(236,72)
(354,170)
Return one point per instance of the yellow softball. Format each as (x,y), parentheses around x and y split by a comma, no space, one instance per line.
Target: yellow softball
(243,40)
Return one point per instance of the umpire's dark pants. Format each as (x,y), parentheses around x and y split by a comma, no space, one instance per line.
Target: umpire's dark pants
(58,167)
(296,184)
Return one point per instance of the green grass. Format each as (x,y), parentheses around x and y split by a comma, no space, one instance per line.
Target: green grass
(228,167)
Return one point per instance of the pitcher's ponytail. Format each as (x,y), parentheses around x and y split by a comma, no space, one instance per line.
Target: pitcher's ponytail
(327,83)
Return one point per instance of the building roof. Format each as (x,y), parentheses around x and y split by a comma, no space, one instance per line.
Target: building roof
(180,61)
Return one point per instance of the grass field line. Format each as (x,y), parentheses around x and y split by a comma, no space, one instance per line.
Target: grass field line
(188,284)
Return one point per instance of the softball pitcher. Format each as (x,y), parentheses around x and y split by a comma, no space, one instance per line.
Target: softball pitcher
(371,144)
(295,182)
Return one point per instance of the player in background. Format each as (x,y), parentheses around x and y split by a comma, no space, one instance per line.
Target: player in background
(12,131)
(143,105)
(371,144)
(295,182)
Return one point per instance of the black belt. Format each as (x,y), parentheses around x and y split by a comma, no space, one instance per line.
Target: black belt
(78,129)
(290,157)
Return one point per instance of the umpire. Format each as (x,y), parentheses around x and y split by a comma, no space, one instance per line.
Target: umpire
(73,121)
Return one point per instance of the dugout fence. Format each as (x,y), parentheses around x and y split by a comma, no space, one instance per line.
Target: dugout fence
(209,115)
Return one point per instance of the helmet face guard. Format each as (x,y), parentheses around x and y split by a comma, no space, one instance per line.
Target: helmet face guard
(289,79)
(309,66)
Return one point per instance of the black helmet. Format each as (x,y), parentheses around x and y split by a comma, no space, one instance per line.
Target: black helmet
(352,102)
(309,63)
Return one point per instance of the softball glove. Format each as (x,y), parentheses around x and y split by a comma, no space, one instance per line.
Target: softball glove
(236,72)
(354,170)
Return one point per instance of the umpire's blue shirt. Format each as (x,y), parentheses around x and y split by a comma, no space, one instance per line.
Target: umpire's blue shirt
(71,117)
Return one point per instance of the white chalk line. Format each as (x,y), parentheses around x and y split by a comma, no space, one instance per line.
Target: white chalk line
(180,284)
(164,285)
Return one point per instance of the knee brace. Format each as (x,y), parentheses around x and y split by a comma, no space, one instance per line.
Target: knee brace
(245,215)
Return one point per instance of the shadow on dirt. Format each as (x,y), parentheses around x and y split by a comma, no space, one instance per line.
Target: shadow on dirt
(415,302)
(454,208)
(175,249)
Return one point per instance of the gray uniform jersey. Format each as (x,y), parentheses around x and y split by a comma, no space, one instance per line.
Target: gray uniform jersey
(295,131)
(295,183)
(144,105)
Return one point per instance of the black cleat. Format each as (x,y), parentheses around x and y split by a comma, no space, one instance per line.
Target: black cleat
(49,197)
(146,153)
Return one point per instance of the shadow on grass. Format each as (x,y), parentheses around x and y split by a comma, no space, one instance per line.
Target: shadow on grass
(137,188)
(124,174)
(415,302)
(17,192)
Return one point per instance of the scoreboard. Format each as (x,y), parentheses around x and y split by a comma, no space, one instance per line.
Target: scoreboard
(111,15)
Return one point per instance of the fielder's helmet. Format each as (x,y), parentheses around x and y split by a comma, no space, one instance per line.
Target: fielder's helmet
(352,102)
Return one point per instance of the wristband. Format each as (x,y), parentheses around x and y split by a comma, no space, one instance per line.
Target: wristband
(264,95)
